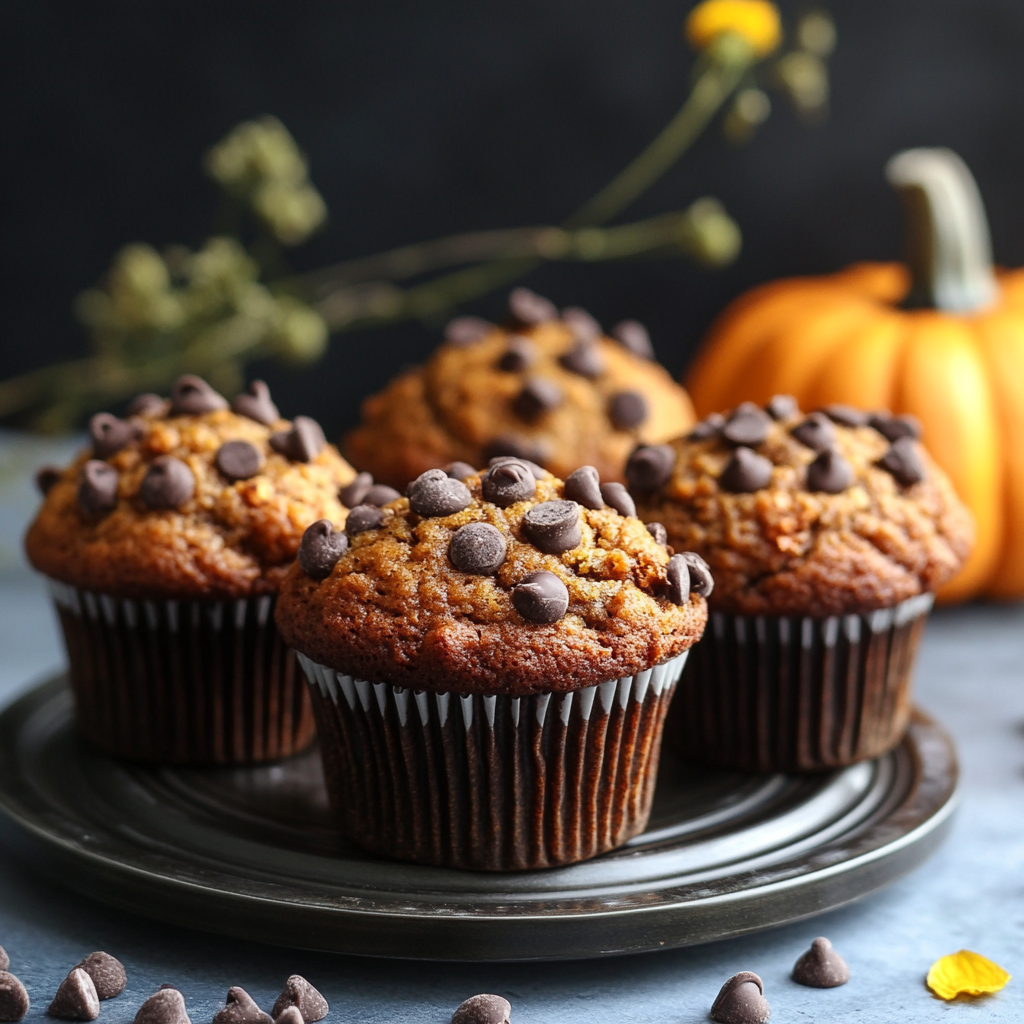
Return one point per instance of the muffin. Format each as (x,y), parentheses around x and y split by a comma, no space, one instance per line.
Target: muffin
(491,660)
(165,544)
(828,535)
(547,387)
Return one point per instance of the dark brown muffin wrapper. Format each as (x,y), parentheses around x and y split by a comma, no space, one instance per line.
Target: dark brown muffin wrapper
(183,682)
(784,694)
(493,783)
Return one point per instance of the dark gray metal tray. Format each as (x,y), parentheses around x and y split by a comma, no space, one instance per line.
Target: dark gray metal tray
(252,852)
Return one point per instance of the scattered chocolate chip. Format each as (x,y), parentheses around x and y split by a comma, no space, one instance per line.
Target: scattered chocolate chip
(782,407)
(632,335)
(677,576)
(192,396)
(520,355)
(741,1001)
(477,548)
(148,404)
(650,466)
(539,472)
(238,460)
(903,462)
(46,477)
(299,993)
(892,428)
(483,1009)
(464,331)
(107,973)
(508,481)
(829,472)
(165,1006)
(658,532)
(553,526)
(846,415)
(816,432)
(5,960)
(584,358)
(321,547)
(240,1008)
(583,486)
(538,396)
(513,446)
(529,308)
(618,498)
(459,470)
(352,494)
(710,426)
(435,493)
(821,967)
(168,483)
(289,1015)
(701,580)
(363,518)
(76,999)
(748,425)
(13,998)
(380,495)
(583,326)
(745,472)
(303,443)
(97,487)
(109,434)
(541,597)
(627,409)
(256,404)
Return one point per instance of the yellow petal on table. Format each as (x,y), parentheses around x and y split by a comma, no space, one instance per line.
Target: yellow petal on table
(965,973)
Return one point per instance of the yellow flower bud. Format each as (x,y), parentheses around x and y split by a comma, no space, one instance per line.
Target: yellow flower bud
(756,21)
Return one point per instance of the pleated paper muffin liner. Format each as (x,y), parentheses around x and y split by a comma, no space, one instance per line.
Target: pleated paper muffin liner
(494,782)
(763,693)
(183,682)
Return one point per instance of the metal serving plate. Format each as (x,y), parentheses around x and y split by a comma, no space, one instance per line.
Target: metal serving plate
(252,852)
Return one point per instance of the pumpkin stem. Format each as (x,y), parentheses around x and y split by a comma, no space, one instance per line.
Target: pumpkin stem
(948,246)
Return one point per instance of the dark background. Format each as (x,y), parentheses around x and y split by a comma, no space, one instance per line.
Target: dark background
(421,119)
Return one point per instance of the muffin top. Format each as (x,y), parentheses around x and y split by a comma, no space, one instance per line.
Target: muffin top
(504,581)
(547,387)
(187,498)
(830,513)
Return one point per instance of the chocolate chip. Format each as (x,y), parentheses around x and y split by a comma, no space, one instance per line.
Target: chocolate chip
(539,472)
(380,495)
(892,428)
(710,426)
(508,481)
(829,472)
(816,432)
(477,548)
(435,493)
(701,580)
(583,486)
(363,518)
(541,597)
(76,999)
(584,358)
(289,1015)
(46,477)
(553,526)
(148,404)
(520,355)
(238,460)
(748,425)
(107,973)
(538,396)
(650,466)
(352,494)
(13,998)
(677,576)
(299,993)
(658,532)
(618,498)
(303,443)
(192,396)
(109,434)
(583,326)
(632,335)
(464,331)
(529,308)
(168,483)
(240,1008)
(782,407)
(513,446)
(846,415)
(321,547)
(165,1006)
(256,404)
(5,960)
(741,1001)
(627,409)
(821,967)
(745,472)
(903,462)
(97,487)
(459,470)
(483,1009)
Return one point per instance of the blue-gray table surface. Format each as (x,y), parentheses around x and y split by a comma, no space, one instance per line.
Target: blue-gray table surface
(969,895)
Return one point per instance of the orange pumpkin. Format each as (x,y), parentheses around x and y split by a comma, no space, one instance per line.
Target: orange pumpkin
(941,338)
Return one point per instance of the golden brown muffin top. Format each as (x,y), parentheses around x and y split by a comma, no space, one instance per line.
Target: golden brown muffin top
(172,503)
(440,590)
(548,387)
(830,513)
